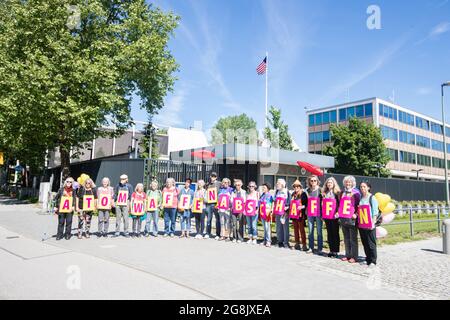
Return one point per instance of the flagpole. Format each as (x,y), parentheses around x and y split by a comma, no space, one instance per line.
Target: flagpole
(267,71)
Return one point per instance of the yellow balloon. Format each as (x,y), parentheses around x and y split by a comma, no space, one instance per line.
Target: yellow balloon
(79,180)
(383,200)
(390,207)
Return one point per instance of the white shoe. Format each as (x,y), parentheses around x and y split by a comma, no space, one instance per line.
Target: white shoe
(249,241)
(239,241)
(206,236)
(254,241)
(234,240)
(217,238)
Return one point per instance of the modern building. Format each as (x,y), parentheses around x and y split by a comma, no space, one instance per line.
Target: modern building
(128,144)
(414,140)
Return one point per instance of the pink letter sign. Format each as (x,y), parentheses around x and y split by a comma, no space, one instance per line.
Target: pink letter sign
(152,203)
(168,200)
(66,204)
(88,203)
(238,206)
(313,207)
(250,207)
(185,201)
(346,208)
(224,201)
(278,207)
(122,198)
(295,210)
(138,208)
(104,202)
(365,217)
(328,209)
(264,211)
(197,205)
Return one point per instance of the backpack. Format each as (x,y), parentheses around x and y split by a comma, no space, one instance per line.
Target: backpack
(379,218)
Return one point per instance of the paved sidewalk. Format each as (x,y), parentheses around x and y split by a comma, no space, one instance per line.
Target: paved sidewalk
(35,265)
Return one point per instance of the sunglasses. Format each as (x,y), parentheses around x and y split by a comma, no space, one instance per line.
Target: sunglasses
(313,180)
(252,186)
(69,182)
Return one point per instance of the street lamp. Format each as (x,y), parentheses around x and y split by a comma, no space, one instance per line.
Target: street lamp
(445,84)
(378,166)
(417,171)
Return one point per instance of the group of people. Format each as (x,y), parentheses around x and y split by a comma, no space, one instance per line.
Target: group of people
(233,208)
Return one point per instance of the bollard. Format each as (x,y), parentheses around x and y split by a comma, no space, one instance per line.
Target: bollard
(446,236)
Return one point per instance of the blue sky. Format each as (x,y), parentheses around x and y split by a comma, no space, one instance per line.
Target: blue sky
(320,53)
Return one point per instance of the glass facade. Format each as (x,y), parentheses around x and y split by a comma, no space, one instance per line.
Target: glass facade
(359,111)
(436,128)
(406,137)
(438,163)
(407,157)
(437,145)
(422,141)
(422,123)
(389,133)
(388,112)
(406,118)
(423,160)
(393,154)
(319,137)
(318,119)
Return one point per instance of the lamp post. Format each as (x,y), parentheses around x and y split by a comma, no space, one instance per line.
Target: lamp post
(445,84)
(417,171)
(378,166)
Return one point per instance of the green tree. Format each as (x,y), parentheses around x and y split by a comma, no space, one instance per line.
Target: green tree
(358,149)
(278,132)
(150,133)
(69,67)
(235,129)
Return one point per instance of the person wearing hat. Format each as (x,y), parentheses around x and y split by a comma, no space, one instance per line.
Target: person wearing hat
(299,223)
(211,208)
(122,210)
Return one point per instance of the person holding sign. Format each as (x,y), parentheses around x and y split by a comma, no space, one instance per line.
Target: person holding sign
(313,212)
(299,221)
(122,197)
(137,209)
(212,191)
(105,195)
(237,212)
(282,203)
(198,209)
(349,200)
(85,206)
(224,208)
(265,212)
(65,201)
(367,216)
(331,193)
(154,200)
(170,203)
(251,212)
(185,199)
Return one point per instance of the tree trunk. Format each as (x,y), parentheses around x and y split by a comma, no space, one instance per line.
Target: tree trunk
(65,162)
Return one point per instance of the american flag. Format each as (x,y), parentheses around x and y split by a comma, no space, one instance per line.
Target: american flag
(261,69)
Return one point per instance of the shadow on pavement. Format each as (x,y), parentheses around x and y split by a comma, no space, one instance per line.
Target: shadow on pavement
(433,251)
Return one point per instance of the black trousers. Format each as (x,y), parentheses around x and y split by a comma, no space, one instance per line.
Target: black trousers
(237,226)
(351,241)
(64,224)
(333,238)
(200,222)
(369,241)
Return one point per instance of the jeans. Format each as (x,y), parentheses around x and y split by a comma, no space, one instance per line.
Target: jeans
(200,222)
(170,217)
(369,241)
(137,224)
(210,211)
(334,240)
(185,219)
(351,241)
(121,212)
(103,221)
(64,224)
(267,231)
(225,223)
(251,226)
(237,226)
(152,215)
(282,231)
(311,221)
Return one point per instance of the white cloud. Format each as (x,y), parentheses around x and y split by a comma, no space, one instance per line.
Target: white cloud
(170,114)
(440,29)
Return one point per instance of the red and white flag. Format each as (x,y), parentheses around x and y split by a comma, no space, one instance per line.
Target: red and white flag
(261,69)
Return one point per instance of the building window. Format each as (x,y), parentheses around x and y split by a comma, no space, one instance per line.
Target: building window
(350,112)
(406,137)
(311,120)
(326,118)
(318,119)
(389,133)
(424,160)
(437,145)
(406,118)
(447,131)
(448,147)
(311,138)
(318,137)
(422,123)
(360,111)
(388,112)
(438,163)
(436,128)
(407,157)
(393,154)
(422,141)
(342,114)
(368,110)
(333,118)
(270,180)
(326,136)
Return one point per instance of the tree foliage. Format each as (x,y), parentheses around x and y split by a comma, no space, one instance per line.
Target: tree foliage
(357,149)
(235,129)
(69,67)
(150,134)
(278,132)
